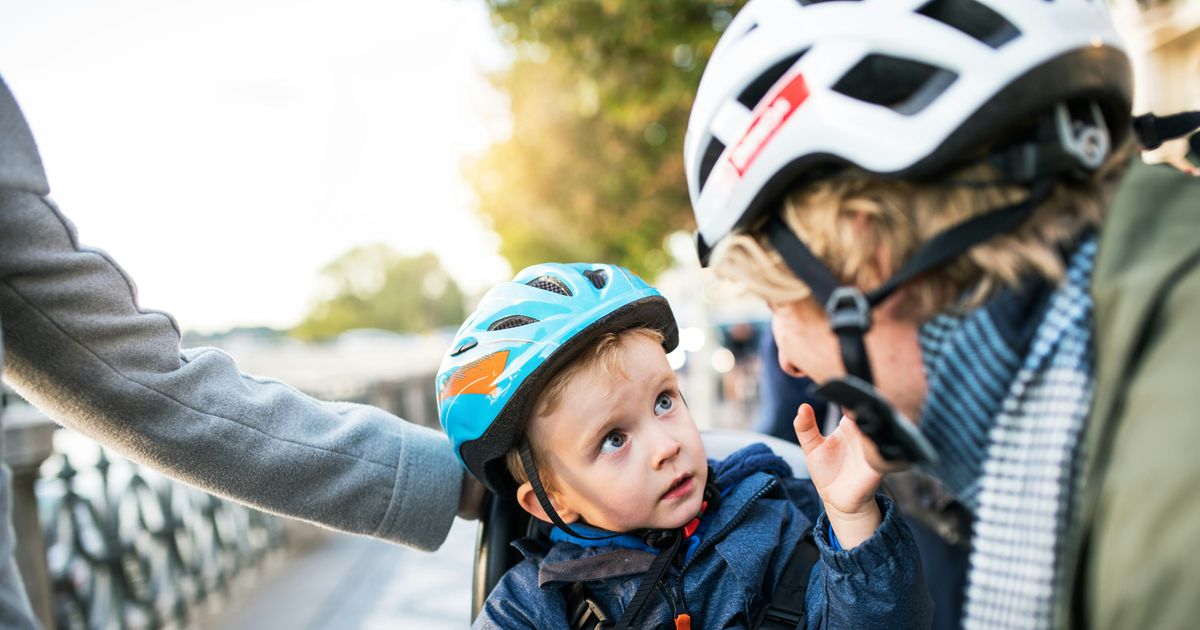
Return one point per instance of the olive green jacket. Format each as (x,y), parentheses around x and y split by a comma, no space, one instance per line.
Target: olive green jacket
(1132,558)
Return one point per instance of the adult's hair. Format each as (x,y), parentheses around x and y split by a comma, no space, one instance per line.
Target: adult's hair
(864,228)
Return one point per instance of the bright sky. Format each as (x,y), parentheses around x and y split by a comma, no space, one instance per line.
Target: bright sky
(224,151)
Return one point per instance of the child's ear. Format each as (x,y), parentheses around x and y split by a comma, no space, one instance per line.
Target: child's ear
(529,502)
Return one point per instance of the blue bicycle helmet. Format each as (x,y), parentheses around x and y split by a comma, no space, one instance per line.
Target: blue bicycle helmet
(521,334)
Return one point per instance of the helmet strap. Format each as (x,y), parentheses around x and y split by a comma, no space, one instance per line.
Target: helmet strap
(540,492)
(849,313)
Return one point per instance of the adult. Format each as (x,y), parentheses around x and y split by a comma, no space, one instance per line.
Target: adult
(77,346)
(924,194)
(780,394)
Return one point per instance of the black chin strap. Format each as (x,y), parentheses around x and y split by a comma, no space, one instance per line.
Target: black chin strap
(1063,147)
(849,312)
(540,492)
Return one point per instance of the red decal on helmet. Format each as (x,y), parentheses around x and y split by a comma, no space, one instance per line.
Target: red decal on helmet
(476,377)
(767,122)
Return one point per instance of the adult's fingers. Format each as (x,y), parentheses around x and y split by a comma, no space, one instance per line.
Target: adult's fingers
(806,429)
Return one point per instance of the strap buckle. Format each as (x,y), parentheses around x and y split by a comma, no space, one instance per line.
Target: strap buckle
(584,612)
(1087,142)
(848,310)
(781,617)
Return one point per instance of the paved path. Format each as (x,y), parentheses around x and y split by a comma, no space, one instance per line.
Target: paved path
(357,582)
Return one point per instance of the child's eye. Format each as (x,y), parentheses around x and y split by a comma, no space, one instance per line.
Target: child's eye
(613,442)
(663,404)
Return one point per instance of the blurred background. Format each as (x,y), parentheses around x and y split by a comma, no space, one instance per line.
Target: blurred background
(323,190)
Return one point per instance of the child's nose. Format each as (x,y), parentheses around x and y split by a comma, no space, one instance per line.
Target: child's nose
(666,448)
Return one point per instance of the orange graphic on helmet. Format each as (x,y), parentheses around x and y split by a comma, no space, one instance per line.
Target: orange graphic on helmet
(476,377)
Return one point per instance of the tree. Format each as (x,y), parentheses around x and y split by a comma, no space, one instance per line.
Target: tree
(599,94)
(372,286)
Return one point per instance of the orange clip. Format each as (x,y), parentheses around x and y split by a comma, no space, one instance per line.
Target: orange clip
(683,622)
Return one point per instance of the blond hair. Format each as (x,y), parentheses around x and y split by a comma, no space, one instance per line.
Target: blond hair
(605,353)
(864,228)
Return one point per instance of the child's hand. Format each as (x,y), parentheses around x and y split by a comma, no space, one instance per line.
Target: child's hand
(845,480)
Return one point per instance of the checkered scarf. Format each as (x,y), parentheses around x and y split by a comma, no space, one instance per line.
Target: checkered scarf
(1010,386)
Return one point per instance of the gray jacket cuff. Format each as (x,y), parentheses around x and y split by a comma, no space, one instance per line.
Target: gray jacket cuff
(426,493)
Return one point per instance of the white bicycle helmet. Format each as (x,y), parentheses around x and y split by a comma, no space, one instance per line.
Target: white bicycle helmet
(902,88)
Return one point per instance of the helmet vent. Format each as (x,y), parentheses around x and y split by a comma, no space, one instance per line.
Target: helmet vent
(974,19)
(711,155)
(512,321)
(598,277)
(759,87)
(904,85)
(551,284)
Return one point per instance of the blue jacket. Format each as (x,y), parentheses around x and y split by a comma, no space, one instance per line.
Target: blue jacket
(731,565)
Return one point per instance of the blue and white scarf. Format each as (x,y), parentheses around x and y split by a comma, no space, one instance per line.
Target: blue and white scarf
(1009,393)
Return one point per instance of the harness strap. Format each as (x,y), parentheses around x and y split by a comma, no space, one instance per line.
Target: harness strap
(785,610)
(649,580)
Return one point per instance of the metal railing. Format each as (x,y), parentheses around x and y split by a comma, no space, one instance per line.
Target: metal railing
(127,548)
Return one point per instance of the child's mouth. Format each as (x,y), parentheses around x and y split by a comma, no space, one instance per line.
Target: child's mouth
(680,488)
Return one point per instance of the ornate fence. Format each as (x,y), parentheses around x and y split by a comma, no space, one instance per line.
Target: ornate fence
(127,548)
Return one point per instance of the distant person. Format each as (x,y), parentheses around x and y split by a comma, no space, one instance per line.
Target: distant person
(938,202)
(739,383)
(557,393)
(77,346)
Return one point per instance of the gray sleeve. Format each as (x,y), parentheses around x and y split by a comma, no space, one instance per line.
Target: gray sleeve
(78,347)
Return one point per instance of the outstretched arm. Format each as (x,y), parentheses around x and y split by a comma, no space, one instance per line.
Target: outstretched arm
(78,346)
(871,577)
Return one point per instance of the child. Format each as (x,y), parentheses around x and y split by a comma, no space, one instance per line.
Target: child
(557,392)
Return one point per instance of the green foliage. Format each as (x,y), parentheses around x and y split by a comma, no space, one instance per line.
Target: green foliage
(372,286)
(599,94)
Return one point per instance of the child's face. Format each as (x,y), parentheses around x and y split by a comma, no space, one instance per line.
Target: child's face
(623,452)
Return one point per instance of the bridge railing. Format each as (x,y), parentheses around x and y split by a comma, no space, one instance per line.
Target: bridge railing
(126,548)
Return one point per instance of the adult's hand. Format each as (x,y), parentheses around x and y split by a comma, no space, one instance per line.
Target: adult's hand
(470,497)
